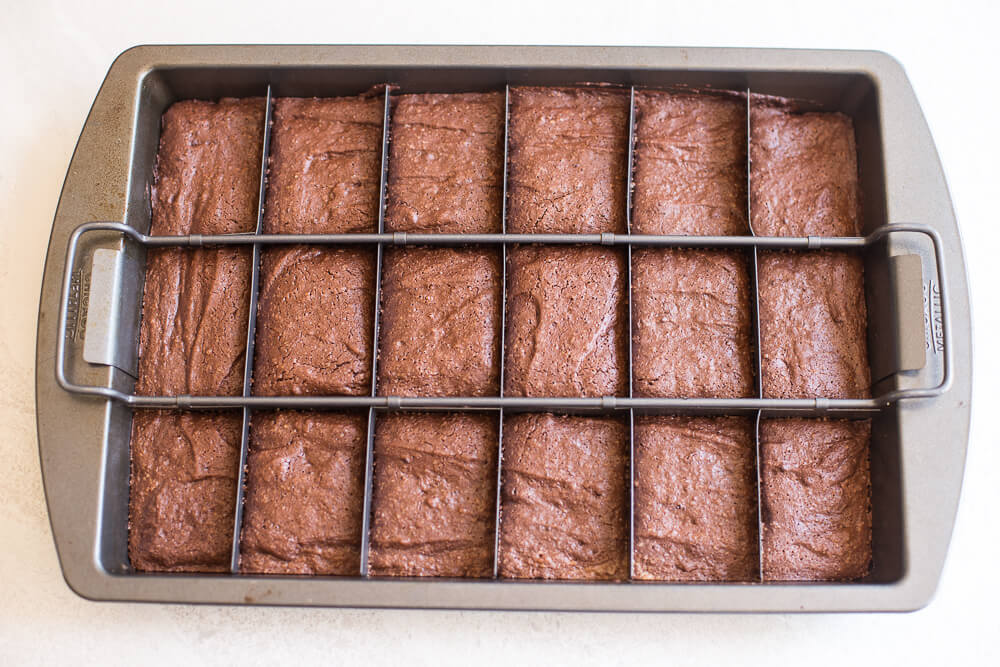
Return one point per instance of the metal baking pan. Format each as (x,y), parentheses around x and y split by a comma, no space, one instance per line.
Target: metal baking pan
(919,329)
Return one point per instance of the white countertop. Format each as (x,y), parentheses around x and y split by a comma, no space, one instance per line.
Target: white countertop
(57,55)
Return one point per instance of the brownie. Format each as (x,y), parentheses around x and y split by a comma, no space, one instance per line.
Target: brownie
(314,323)
(691,319)
(446,164)
(183,490)
(434,497)
(690,164)
(813,325)
(564,504)
(440,326)
(566,322)
(304,494)
(695,499)
(804,173)
(816,499)
(324,168)
(193,337)
(206,176)
(568,160)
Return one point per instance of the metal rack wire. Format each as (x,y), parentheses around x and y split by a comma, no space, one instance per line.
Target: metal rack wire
(627,406)
(503,329)
(370,439)
(630,166)
(758,359)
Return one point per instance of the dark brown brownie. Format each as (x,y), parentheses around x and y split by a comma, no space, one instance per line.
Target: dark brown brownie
(690,164)
(804,173)
(815,496)
(691,324)
(566,322)
(446,164)
(434,495)
(314,328)
(207,171)
(440,322)
(183,490)
(695,499)
(194,322)
(568,158)
(564,506)
(304,494)
(813,325)
(324,167)
(193,337)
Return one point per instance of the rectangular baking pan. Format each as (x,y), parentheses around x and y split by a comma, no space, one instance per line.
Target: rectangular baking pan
(919,332)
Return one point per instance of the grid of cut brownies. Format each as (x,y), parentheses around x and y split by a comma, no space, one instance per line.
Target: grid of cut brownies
(535,495)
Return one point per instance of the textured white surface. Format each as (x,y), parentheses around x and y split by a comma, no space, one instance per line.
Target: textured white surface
(56,55)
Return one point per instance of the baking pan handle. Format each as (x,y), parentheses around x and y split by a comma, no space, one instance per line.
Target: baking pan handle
(940,323)
(68,291)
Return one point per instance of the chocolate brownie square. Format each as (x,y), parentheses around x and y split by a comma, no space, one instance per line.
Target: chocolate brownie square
(813,325)
(304,494)
(183,490)
(207,172)
(568,160)
(803,174)
(816,499)
(440,326)
(324,168)
(314,324)
(566,322)
(434,498)
(564,503)
(195,308)
(690,164)
(695,499)
(691,324)
(446,164)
